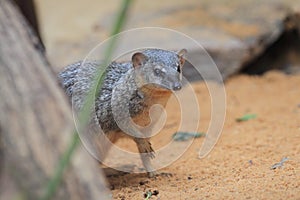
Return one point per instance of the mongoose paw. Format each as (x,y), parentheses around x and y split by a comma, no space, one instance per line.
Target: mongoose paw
(166,174)
(152,174)
(151,154)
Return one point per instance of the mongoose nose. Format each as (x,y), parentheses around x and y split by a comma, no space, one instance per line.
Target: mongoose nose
(177,86)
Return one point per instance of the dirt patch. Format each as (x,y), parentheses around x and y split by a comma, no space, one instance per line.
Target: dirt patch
(240,165)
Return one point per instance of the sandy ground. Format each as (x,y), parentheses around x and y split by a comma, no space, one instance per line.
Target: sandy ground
(239,165)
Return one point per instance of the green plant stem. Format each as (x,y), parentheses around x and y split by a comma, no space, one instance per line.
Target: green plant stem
(65,160)
(85,113)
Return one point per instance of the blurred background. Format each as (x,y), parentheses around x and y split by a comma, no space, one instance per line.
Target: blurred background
(234,32)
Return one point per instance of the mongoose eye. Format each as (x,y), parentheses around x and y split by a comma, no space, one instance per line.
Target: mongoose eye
(158,72)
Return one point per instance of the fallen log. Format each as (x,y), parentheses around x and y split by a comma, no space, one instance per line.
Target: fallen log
(36,121)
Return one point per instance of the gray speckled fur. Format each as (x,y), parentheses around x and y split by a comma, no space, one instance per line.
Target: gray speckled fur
(124,95)
(76,79)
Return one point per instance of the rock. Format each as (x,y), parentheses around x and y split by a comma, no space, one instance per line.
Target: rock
(235,34)
(281,52)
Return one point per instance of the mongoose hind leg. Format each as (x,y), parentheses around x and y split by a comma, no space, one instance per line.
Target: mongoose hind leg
(105,142)
(146,152)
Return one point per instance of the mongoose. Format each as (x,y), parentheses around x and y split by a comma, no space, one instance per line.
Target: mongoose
(128,89)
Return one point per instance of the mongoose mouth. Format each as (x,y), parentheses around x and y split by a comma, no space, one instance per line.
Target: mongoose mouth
(157,87)
(176,86)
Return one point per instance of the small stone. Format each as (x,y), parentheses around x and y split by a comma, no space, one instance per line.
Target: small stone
(143,182)
(155,192)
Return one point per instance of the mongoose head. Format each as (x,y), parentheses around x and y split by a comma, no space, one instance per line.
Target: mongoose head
(160,68)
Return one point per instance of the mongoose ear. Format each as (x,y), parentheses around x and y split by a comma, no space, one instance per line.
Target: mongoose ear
(138,59)
(181,55)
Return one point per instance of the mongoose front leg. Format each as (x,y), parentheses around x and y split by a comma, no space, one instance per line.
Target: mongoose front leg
(146,151)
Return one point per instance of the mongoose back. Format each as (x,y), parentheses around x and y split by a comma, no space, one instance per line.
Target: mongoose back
(129,90)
